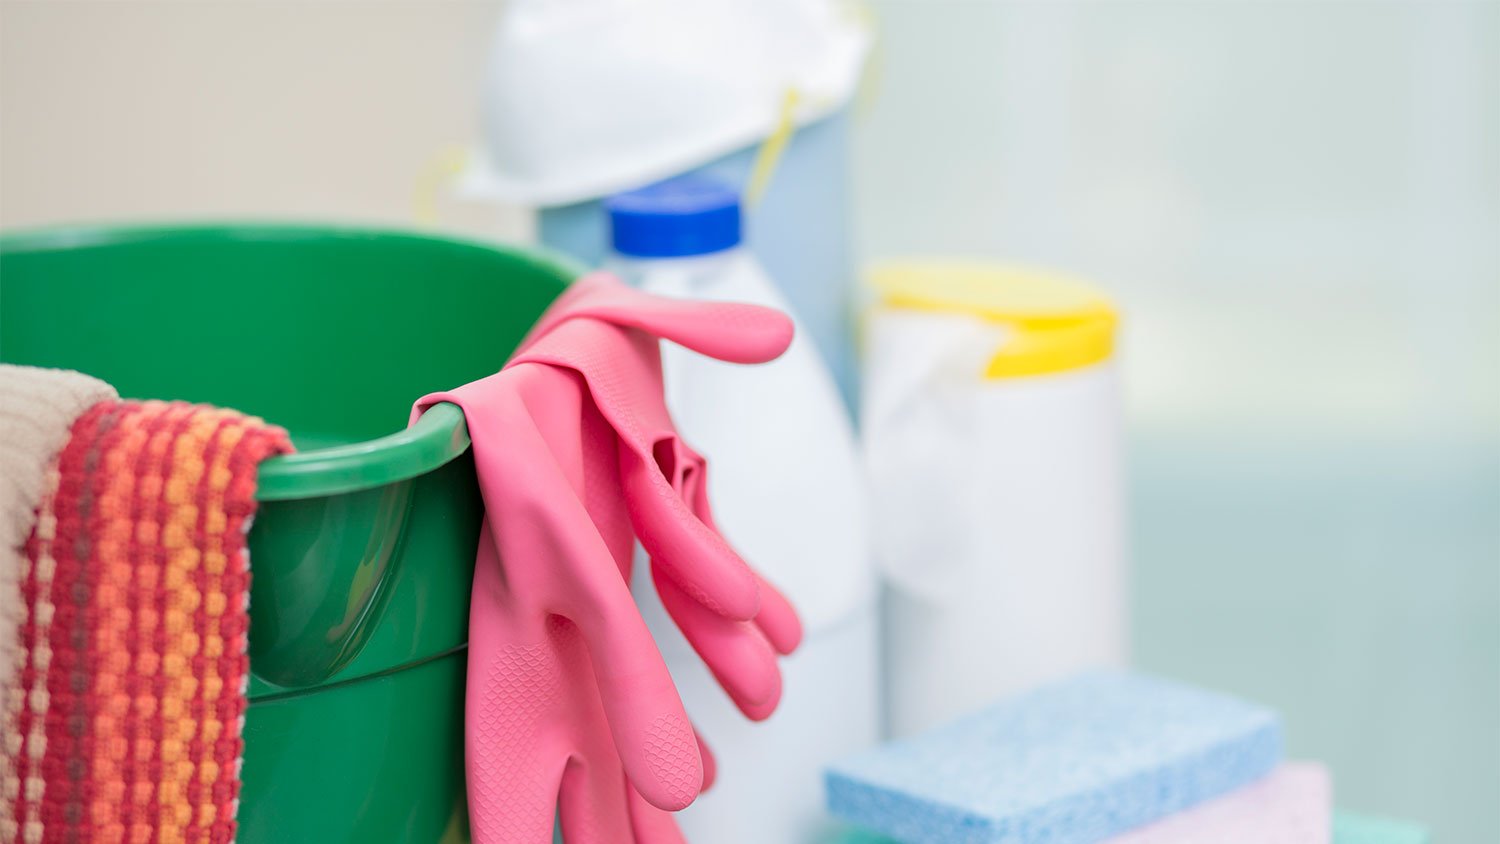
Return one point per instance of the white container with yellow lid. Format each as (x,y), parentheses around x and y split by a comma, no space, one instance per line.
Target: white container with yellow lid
(991,421)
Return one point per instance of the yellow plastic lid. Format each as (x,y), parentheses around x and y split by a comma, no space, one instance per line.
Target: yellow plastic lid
(1059,323)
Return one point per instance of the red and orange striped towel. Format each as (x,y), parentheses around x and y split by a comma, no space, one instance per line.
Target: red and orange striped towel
(124,713)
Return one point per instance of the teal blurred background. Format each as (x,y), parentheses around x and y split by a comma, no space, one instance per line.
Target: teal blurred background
(1298,205)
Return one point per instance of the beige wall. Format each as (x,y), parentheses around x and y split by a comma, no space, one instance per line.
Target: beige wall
(177,109)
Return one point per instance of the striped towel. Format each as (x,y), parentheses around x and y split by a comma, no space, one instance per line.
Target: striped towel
(37,409)
(124,723)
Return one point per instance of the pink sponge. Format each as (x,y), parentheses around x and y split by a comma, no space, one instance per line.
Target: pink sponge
(1291,806)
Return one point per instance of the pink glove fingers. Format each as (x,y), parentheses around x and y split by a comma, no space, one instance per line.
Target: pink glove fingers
(568,570)
(777,619)
(514,676)
(651,730)
(650,825)
(693,554)
(710,764)
(735,652)
(732,332)
(592,803)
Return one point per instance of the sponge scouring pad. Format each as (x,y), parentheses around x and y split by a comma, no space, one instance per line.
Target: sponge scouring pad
(1294,805)
(1069,763)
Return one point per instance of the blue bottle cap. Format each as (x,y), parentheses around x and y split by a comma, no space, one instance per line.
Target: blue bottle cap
(688,215)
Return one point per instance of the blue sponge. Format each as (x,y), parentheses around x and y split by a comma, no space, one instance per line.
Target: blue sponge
(1070,763)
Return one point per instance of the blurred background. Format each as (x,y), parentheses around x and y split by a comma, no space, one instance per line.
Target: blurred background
(1297,204)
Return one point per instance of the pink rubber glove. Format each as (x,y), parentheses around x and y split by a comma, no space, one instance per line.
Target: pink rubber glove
(568,699)
(566,692)
(733,618)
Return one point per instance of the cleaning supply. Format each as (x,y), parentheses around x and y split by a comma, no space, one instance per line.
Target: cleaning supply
(1350,828)
(803,231)
(568,699)
(789,494)
(652,88)
(991,424)
(136,632)
(1079,760)
(658,88)
(37,408)
(1294,805)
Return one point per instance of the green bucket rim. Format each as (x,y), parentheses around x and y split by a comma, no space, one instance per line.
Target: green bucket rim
(438,437)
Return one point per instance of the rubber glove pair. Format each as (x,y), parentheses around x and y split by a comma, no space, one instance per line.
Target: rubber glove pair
(569,705)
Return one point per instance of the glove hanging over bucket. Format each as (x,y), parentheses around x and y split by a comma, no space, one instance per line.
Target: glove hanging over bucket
(707,589)
(569,704)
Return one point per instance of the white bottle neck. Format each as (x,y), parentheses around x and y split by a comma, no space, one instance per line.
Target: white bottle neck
(684,274)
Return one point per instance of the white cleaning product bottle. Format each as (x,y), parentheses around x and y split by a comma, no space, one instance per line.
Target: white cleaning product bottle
(786,482)
(991,426)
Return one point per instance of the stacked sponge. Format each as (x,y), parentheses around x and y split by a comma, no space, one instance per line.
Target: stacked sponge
(1290,806)
(1105,756)
(1356,829)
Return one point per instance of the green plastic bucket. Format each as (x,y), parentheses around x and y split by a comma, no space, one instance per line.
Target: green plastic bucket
(363,548)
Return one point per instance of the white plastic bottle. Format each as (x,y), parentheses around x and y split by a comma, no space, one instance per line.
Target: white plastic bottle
(786,482)
(991,425)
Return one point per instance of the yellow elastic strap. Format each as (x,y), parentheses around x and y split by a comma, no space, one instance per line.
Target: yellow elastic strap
(770,151)
(436,173)
(867,90)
